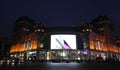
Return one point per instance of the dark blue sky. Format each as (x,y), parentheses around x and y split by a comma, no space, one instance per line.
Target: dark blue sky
(57,12)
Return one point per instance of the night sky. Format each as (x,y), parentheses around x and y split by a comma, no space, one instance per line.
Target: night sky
(56,12)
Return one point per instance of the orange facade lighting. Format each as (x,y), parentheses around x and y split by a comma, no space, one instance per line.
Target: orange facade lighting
(92,45)
(20,47)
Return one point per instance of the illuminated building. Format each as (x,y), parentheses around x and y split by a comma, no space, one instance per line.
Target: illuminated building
(103,37)
(64,43)
(83,42)
(25,38)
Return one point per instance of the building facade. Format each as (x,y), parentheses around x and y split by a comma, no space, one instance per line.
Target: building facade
(83,42)
(103,36)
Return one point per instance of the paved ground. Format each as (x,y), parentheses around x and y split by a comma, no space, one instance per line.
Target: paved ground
(63,66)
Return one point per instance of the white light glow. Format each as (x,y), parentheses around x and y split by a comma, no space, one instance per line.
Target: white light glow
(63,41)
(48,56)
(78,52)
(78,58)
(64,54)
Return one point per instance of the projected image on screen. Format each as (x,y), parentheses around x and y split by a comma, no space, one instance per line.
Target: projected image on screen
(63,41)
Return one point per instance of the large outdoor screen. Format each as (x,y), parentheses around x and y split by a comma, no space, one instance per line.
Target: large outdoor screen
(63,41)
